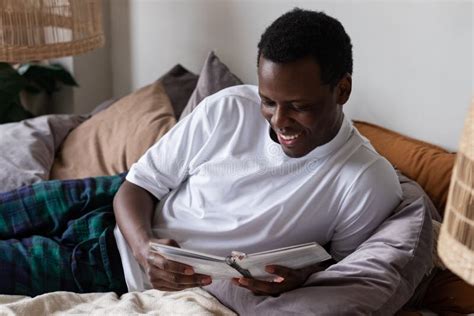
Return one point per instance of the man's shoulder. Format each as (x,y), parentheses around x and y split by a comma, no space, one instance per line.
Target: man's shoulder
(233,104)
(242,94)
(369,171)
(362,161)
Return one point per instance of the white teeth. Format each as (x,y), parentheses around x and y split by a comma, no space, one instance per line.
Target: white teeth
(290,137)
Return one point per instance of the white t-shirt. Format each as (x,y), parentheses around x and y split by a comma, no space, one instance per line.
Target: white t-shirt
(224,185)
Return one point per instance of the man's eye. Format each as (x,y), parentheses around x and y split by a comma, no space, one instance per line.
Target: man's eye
(301,108)
(268,103)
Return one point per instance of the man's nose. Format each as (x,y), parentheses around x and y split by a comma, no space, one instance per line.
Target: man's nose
(280,119)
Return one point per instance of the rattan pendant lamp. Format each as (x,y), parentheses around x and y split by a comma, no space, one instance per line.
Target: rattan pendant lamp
(456,240)
(43,29)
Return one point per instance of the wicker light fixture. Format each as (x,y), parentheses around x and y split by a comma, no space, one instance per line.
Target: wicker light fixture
(456,240)
(44,29)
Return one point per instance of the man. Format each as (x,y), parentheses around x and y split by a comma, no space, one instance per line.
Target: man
(253,169)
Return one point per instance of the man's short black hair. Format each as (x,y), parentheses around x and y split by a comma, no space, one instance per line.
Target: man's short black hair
(302,33)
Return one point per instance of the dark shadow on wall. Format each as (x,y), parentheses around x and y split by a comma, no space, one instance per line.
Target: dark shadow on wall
(120,48)
(100,71)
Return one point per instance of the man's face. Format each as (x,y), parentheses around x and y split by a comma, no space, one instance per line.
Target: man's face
(303,112)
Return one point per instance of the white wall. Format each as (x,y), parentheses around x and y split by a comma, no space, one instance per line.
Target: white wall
(413,68)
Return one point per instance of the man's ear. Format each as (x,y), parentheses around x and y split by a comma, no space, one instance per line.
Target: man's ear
(343,89)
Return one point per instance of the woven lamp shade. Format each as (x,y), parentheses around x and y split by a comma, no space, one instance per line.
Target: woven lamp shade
(44,29)
(456,240)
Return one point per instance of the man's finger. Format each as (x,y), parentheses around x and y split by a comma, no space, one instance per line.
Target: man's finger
(168,265)
(168,242)
(281,271)
(257,286)
(195,279)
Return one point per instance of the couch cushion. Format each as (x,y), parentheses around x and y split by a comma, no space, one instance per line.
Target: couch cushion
(447,293)
(28,148)
(427,164)
(214,77)
(113,139)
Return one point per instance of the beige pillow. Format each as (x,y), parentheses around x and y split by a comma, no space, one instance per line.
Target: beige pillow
(113,139)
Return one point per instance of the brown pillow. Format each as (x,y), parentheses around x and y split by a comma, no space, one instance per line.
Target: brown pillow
(448,295)
(113,139)
(427,164)
(179,83)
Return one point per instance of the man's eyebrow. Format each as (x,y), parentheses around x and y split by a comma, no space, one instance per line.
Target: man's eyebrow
(287,101)
(263,96)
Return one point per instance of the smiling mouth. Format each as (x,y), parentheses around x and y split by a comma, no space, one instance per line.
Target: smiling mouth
(289,137)
(289,140)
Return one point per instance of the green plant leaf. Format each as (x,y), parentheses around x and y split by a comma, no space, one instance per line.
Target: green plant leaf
(33,89)
(13,112)
(6,98)
(11,83)
(4,108)
(32,78)
(62,75)
(47,76)
(40,76)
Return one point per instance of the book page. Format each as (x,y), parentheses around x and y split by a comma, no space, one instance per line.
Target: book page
(217,270)
(214,266)
(294,257)
(291,257)
(184,252)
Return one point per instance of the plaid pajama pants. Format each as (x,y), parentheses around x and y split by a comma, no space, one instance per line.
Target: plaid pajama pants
(58,236)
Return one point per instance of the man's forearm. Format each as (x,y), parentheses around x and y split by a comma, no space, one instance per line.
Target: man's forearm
(134,208)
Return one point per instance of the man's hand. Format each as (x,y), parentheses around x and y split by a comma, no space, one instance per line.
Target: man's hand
(286,280)
(167,275)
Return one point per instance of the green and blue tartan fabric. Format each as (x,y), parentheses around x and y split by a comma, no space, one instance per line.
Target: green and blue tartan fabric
(58,236)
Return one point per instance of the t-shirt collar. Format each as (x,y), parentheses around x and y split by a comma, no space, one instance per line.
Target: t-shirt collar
(338,141)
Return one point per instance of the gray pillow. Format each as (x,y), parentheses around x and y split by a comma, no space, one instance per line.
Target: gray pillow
(179,84)
(214,77)
(377,279)
(27,148)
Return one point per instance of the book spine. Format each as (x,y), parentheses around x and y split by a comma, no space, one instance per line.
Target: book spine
(230,260)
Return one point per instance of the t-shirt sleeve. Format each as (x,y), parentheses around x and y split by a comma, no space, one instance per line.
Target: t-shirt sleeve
(165,165)
(371,198)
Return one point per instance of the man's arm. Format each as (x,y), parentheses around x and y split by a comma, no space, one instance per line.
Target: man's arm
(162,168)
(134,208)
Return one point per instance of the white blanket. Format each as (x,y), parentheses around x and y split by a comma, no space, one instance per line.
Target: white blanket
(152,302)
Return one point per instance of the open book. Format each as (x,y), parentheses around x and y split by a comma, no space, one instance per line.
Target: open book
(239,264)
